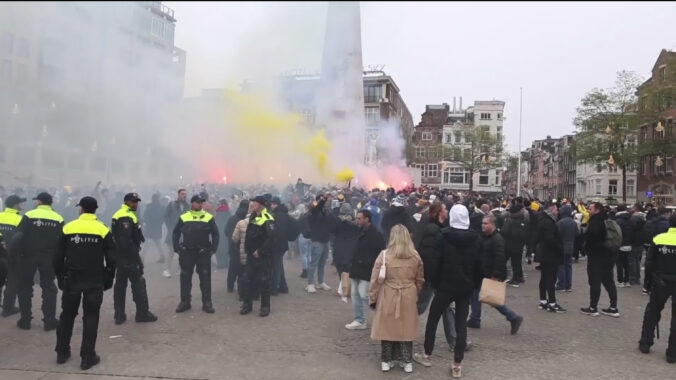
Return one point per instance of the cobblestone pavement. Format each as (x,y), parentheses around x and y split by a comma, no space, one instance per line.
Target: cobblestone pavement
(305,338)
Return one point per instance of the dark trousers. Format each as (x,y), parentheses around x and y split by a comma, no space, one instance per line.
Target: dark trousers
(222,254)
(623,266)
(448,316)
(235,269)
(548,273)
(189,261)
(653,312)
(565,274)
(634,265)
(278,280)
(133,274)
(600,271)
(517,268)
(27,268)
(11,286)
(392,351)
(91,307)
(440,304)
(257,279)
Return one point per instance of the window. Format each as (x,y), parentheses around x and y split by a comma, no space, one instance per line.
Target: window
(157,28)
(421,167)
(612,187)
(420,152)
(643,135)
(372,115)
(483,177)
(598,187)
(497,178)
(432,170)
(372,94)
(427,136)
(449,138)
(658,135)
(630,187)
(663,74)
(485,116)
(458,137)
(499,116)
(456,176)
(599,168)
(432,152)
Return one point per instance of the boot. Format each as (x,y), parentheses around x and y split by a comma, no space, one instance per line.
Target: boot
(246,309)
(146,317)
(183,306)
(208,307)
(89,363)
(205,287)
(265,311)
(138,291)
(62,358)
(24,324)
(51,324)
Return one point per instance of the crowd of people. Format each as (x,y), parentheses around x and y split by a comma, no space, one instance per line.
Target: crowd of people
(398,253)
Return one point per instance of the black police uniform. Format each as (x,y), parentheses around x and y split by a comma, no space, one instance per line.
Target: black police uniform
(37,239)
(9,221)
(259,237)
(660,268)
(4,261)
(84,267)
(127,236)
(195,239)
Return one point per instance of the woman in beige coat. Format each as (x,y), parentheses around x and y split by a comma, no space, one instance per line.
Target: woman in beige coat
(395,298)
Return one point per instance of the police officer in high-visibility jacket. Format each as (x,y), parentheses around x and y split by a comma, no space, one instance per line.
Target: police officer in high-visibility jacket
(127,236)
(9,221)
(85,268)
(660,269)
(36,240)
(4,261)
(259,245)
(195,239)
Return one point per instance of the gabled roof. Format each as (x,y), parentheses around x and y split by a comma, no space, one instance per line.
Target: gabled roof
(664,53)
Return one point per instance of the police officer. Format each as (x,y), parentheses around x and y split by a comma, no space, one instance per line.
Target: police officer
(9,221)
(195,239)
(660,274)
(127,236)
(259,245)
(37,238)
(84,267)
(4,261)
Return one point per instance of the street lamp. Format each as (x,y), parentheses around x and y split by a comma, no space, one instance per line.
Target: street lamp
(658,161)
(659,128)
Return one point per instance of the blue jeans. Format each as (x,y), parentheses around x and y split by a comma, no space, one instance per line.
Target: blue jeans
(360,299)
(565,274)
(476,309)
(304,251)
(448,316)
(319,252)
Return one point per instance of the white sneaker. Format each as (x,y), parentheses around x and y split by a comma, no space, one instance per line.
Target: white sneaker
(323,286)
(385,366)
(355,325)
(166,274)
(408,367)
(311,289)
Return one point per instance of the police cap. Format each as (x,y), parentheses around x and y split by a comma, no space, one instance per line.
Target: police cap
(88,203)
(132,197)
(196,199)
(45,198)
(14,200)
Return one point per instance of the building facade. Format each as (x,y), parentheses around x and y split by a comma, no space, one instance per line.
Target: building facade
(657,96)
(603,183)
(79,82)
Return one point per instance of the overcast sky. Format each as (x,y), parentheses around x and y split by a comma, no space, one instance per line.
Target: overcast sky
(435,51)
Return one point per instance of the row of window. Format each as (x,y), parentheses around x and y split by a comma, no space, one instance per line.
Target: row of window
(613,186)
(649,131)
(455,176)
(487,116)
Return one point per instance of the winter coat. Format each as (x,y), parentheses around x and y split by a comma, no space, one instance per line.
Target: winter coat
(172,214)
(396,316)
(394,216)
(623,220)
(549,248)
(369,244)
(637,221)
(568,229)
(595,236)
(346,232)
(318,223)
(515,215)
(152,219)
(239,236)
(458,271)
(475,220)
(493,256)
(281,215)
(653,228)
(429,244)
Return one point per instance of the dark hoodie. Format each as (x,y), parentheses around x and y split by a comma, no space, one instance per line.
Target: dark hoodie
(429,244)
(516,221)
(458,272)
(393,216)
(281,215)
(623,220)
(568,229)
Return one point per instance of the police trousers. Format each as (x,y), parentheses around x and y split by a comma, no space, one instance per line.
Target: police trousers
(134,274)
(257,278)
(91,307)
(11,285)
(189,261)
(27,268)
(661,292)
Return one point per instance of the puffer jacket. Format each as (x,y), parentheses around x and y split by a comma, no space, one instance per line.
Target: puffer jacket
(459,273)
(493,256)
(429,244)
(549,248)
(623,220)
(239,236)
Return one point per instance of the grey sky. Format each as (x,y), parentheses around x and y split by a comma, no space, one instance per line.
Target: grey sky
(434,51)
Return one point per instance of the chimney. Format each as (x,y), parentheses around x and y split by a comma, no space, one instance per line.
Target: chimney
(461,102)
(454,104)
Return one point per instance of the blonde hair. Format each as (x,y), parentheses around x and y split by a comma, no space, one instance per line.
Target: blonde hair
(400,245)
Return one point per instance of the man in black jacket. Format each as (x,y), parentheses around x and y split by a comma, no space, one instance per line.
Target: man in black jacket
(84,246)
(369,245)
(171,216)
(600,263)
(549,252)
(281,214)
(396,214)
(515,232)
(623,217)
(493,267)
(318,223)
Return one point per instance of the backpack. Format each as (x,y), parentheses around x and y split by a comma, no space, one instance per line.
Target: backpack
(293,230)
(613,235)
